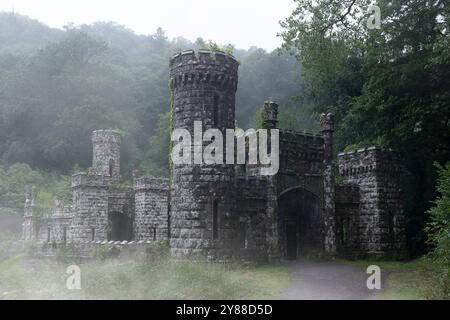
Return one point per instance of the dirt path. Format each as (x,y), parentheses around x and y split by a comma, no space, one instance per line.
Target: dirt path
(327,280)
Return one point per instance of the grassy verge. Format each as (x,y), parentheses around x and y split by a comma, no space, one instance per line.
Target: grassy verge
(22,278)
(417,279)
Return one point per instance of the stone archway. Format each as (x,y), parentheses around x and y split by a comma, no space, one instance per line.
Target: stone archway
(300,225)
(119,227)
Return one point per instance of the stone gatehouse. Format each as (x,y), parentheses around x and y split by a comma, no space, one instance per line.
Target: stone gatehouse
(231,211)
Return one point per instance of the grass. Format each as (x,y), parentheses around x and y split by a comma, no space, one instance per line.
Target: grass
(417,279)
(23,278)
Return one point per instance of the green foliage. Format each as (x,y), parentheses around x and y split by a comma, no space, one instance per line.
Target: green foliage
(158,250)
(22,35)
(412,280)
(57,86)
(256,122)
(289,117)
(146,279)
(15,179)
(106,251)
(269,76)
(438,227)
(155,161)
(213,46)
(63,252)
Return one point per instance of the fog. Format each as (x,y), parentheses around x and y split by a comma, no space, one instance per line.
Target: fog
(242,23)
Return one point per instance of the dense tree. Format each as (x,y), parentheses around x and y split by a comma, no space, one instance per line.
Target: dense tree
(438,229)
(56,86)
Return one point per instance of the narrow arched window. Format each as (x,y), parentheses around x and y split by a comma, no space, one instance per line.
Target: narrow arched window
(216,110)
(215,219)
(111,167)
(243,234)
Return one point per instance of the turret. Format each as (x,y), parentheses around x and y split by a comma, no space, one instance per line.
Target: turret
(106,153)
(270,115)
(202,217)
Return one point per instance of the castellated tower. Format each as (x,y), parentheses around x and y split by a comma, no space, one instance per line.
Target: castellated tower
(381,219)
(203,198)
(91,190)
(106,153)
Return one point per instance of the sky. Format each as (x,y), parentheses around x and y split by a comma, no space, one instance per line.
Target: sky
(243,23)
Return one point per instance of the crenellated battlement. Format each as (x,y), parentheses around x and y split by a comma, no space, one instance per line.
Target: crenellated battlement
(83,179)
(377,173)
(204,67)
(107,136)
(151,183)
(301,145)
(202,55)
(368,161)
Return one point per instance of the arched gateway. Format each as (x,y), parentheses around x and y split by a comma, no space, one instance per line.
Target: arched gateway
(299,219)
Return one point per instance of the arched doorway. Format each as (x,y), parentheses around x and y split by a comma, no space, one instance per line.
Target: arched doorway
(119,227)
(299,220)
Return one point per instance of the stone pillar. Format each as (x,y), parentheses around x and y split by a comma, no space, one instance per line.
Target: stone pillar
(28,226)
(272,235)
(329,223)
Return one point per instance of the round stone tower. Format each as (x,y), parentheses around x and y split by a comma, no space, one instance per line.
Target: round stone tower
(106,153)
(203,220)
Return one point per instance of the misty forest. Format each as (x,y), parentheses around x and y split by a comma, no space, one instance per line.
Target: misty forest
(387,87)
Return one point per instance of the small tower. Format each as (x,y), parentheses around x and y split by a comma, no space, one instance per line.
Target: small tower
(378,174)
(270,115)
(106,153)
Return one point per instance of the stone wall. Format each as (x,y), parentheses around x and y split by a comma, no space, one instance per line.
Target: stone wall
(347,221)
(301,161)
(99,249)
(251,209)
(60,222)
(152,208)
(90,207)
(381,211)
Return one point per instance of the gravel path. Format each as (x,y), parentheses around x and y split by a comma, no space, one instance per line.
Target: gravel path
(327,280)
